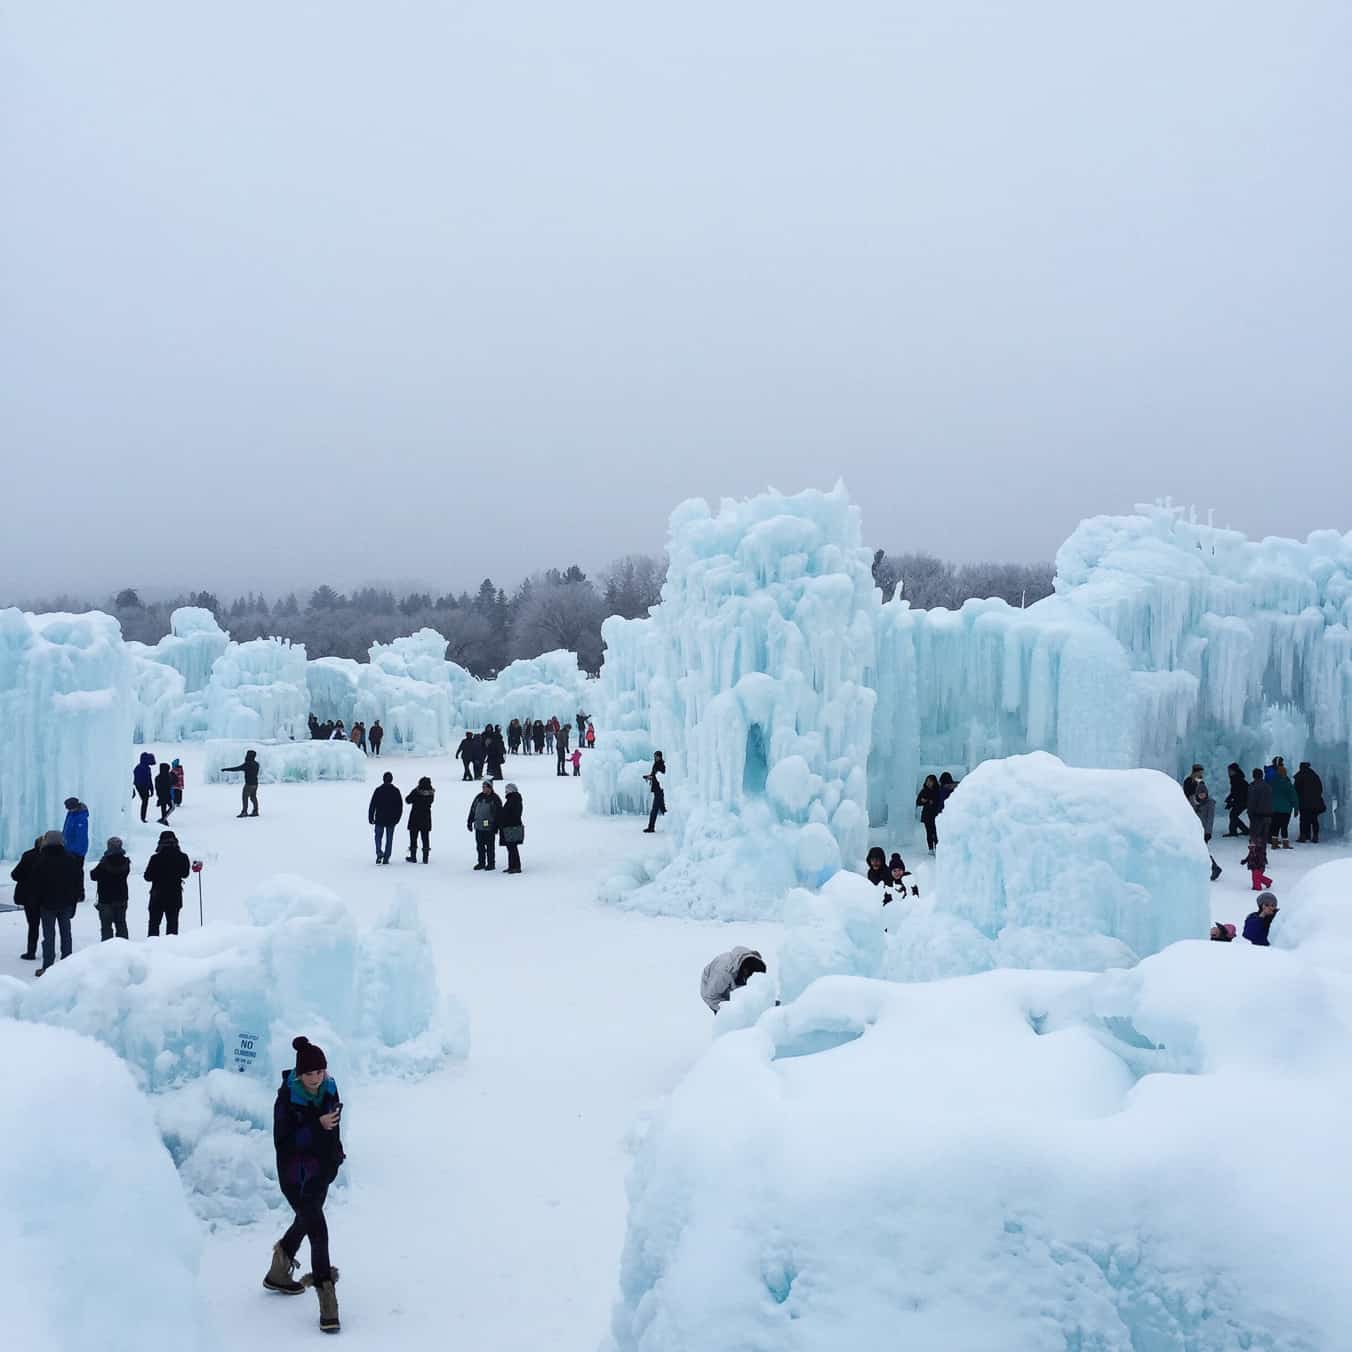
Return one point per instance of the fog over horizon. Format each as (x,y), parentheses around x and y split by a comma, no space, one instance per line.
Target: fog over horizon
(436,291)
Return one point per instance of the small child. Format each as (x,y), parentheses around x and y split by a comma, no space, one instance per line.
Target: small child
(591,736)
(576,758)
(177,770)
(898,873)
(1256,862)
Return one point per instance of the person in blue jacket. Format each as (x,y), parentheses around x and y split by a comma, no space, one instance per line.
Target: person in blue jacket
(143,780)
(309,1148)
(1257,925)
(75,834)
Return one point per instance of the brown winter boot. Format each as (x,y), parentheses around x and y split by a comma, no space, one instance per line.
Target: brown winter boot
(328,1306)
(279,1276)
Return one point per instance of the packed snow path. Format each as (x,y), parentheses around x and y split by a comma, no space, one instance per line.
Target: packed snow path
(486,1207)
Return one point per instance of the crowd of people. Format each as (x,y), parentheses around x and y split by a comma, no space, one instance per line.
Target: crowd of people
(333,730)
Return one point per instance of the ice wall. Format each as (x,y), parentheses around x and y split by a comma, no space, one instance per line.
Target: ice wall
(67,708)
(258,690)
(191,646)
(612,776)
(100,1249)
(549,686)
(757,663)
(285,762)
(176,1014)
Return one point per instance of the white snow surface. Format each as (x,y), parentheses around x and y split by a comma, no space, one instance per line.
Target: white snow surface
(100,1249)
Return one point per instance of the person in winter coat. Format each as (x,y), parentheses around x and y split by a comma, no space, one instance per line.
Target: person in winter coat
(930,801)
(726,973)
(511,830)
(476,751)
(1222,934)
(654,778)
(419,802)
(1284,803)
(1237,801)
(358,736)
(309,1145)
(896,867)
(591,736)
(494,754)
(143,780)
(384,812)
(465,754)
(1260,807)
(538,733)
(1257,925)
(164,792)
(339,733)
(561,746)
(57,887)
(249,766)
(514,736)
(75,834)
(1190,784)
(110,875)
(581,725)
(875,866)
(375,737)
(1204,805)
(26,896)
(1310,797)
(483,821)
(577,761)
(176,770)
(166,871)
(551,731)
(1256,862)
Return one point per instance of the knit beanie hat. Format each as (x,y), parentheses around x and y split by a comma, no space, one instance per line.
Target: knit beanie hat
(114,844)
(308,1056)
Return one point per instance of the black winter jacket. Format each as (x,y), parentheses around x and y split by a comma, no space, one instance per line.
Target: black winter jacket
(420,808)
(250,768)
(1310,791)
(166,872)
(164,785)
(22,873)
(57,879)
(510,813)
(387,806)
(111,873)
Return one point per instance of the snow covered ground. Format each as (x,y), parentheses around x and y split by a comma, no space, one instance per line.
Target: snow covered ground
(486,1206)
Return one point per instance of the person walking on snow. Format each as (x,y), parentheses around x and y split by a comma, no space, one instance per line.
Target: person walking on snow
(577,761)
(110,876)
(419,802)
(249,766)
(176,771)
(728,972)
(483,821)
(511,829)
(1260,808)
(309,1145)
(465,754)
(654,779)
(1256,862)
(166,872)
(387,807)
(375,737)
(164,792)
(1257,925)
(1237,801)
(930,801)
(25,896)
(143,780)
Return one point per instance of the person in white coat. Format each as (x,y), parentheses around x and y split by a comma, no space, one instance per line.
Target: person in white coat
(726,973)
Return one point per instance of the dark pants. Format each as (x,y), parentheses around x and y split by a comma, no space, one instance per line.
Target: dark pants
(34,917)
(1259,826)
(563,762)
(1309,827)
(165,909)
(385,834)
(467,774)
(514,858)
(413,833)
(483,842)
(144,796)
(308,1204)
(249,795)
(375,746)
(51,922)
(931,830)
(112,919)
(165,807)
(1237,826)
(1281,825)
(577,768)
(659,807)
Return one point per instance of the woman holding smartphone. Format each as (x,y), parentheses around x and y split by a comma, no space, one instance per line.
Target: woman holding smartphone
(309,1154)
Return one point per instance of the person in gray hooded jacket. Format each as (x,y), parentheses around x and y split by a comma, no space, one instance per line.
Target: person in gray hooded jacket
(483,821)
(728,972)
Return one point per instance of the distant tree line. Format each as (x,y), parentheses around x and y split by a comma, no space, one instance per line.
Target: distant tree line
(556,608)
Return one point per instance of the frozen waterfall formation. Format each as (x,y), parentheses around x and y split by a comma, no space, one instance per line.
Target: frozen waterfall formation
(772,672)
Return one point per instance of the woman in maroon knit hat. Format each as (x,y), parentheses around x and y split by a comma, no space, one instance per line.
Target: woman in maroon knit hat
(309,1154)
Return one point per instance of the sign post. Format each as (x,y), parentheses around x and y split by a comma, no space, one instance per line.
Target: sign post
(197,869)
(246,1051)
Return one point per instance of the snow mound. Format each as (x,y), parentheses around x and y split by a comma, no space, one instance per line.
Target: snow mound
(1317,916)
(1030,1160)
(67,709)
(100,1249)
(285,762)
(205,1023)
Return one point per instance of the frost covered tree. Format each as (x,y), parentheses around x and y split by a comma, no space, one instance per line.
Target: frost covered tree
(559,615)
(633,583)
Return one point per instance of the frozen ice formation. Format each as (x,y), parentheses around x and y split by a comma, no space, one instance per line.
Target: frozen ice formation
(258,689)
(180,1015)
(1019,1159)
(67,708)
(549,686)
(285,762)
(99,1245)
(191,646)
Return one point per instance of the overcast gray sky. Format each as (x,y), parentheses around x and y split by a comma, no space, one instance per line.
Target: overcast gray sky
(301,290)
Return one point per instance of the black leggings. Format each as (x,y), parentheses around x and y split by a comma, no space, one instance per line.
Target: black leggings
(413,833)
(1281,825)
(308,1204)
(1238,826)
(931,832)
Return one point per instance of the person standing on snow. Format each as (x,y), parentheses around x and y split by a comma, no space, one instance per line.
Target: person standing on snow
(728,972)
(577,761)
(561,746)
(465,753)
(177,771)
(1237,801)
(164,792)
(1260,808)
(58,887)
(654,780)
(930,801)
(591,736)
(419,802)
(75,834)
(538,732)
(1257,925)
(1310,795)
(375,737)
(143,780)
(494,753)
(1284,803)
(511,828)
(387,807)
(26,897)
(581,725)
(166,872)
(483,821)
(250,792)
(306,1136)
(110,875)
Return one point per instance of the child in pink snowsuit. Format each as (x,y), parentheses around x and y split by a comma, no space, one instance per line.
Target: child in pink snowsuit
(576,758)
(1256,862)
